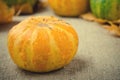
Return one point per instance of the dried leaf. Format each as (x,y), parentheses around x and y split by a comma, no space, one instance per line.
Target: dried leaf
(26,8)
(112,26)
(88,16)
(117,22)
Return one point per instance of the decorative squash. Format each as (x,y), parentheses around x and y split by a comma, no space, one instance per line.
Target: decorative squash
(42,44)
(69,7)
(106,9)
(6,13)
(24,6)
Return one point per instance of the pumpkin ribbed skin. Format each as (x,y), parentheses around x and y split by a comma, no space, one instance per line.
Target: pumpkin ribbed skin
(42,44)
(106,9)
(69,7)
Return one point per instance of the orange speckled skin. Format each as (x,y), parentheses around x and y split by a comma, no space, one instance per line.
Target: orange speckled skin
(42,44)
(69,7)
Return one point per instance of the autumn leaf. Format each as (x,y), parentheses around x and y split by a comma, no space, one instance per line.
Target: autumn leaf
(112,26)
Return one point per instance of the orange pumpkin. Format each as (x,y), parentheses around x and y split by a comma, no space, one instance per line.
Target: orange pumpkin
(42,44)
(69,7)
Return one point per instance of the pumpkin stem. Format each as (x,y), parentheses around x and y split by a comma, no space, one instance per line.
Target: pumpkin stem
(44,25)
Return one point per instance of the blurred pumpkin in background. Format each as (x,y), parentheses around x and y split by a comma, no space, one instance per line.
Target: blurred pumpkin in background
(42,44)
(22,6)
(106,9)
(69,7)
(6,13)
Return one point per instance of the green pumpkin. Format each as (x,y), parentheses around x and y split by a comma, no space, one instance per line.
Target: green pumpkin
(106,9)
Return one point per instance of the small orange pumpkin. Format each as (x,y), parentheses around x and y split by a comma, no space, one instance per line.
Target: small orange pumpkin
(69,7)
(42,44)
